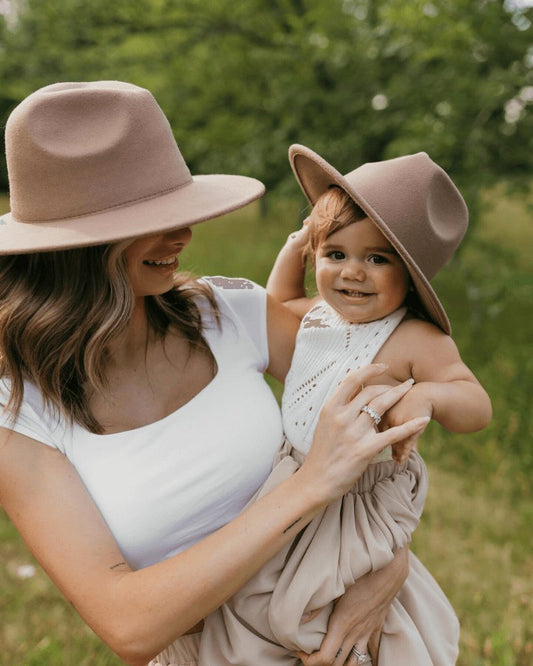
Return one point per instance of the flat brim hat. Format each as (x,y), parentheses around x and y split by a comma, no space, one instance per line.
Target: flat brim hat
(96,162)
(412,201)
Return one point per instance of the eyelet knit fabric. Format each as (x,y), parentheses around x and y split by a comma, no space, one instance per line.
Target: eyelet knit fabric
(327,348)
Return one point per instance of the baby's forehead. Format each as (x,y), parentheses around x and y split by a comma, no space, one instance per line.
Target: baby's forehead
(363,230)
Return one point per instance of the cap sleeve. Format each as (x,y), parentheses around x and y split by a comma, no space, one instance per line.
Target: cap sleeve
(33,419)
(245,302)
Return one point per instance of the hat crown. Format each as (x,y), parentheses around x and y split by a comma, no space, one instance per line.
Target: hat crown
(421,207)
(74,149)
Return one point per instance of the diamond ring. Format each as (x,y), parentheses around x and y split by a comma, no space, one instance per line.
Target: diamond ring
(372,413)
(362,657)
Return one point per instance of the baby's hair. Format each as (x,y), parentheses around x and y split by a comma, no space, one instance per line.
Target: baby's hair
(333,211)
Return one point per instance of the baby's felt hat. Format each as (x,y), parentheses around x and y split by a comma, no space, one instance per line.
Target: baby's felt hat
(96,162)
(412,201)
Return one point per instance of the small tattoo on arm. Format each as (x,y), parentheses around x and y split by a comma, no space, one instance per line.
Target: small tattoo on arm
(118,564)
(292,525)
(338,652)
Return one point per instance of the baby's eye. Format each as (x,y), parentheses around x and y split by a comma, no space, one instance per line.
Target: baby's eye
(377,259)
(336,255)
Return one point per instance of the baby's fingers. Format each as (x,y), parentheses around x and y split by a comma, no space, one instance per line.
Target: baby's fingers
(402,450)
(405,431)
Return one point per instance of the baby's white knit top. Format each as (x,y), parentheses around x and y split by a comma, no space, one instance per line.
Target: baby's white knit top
(327,348)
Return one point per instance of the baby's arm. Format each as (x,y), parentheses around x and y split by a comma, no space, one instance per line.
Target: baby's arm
(286,282)
(445,388)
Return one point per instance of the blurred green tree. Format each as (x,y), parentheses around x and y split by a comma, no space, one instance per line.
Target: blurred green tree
(356,80)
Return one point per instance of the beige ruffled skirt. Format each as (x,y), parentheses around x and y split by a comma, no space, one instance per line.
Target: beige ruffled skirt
(360,532)
(183,652)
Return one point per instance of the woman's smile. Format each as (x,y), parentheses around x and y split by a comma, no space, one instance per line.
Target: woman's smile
(161,262)
(152,261)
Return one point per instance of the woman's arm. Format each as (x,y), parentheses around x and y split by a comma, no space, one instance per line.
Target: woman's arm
(139,613)
(136,613)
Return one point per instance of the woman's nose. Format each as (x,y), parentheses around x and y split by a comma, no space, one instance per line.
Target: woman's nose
(179,236)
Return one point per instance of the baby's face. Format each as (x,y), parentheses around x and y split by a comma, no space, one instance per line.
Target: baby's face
(360,274)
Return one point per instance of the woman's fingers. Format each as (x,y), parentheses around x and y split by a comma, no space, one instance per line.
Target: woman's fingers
(366,396)
(384,400)
(371,446)
(337,654)
(402,450)
(354,382)
(400,432)
(345,439)
(354,658)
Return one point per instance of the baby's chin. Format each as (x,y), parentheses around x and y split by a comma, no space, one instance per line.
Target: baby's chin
(359,318)
(352,318)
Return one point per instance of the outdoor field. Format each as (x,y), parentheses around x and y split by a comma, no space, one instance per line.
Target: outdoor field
(475,534)
(356,81)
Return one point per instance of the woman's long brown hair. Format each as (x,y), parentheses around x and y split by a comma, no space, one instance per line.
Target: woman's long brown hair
(59,313)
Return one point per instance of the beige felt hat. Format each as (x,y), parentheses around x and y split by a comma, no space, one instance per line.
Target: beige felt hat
(97,162)
(412,201)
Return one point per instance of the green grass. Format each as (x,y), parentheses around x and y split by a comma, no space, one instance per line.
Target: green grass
(475,535)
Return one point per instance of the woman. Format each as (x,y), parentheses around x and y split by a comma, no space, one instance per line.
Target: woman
(137,425)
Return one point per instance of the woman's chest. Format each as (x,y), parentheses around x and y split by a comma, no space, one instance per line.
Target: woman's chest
(148,392)
(165,486)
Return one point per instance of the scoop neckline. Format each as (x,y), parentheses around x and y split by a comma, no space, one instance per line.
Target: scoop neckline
(161,421)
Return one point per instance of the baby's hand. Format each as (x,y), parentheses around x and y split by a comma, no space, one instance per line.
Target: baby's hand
(413,404)
(298,239)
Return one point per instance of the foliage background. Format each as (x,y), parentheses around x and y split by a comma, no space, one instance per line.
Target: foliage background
(356,80)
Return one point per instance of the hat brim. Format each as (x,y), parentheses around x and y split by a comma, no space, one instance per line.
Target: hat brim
(315,176)
(203,198)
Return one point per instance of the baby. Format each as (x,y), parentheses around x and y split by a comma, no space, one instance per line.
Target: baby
(375,238)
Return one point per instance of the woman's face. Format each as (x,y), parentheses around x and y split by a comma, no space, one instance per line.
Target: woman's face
(153,260)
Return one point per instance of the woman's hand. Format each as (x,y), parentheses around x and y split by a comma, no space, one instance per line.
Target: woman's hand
(346,439)
(359,615)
